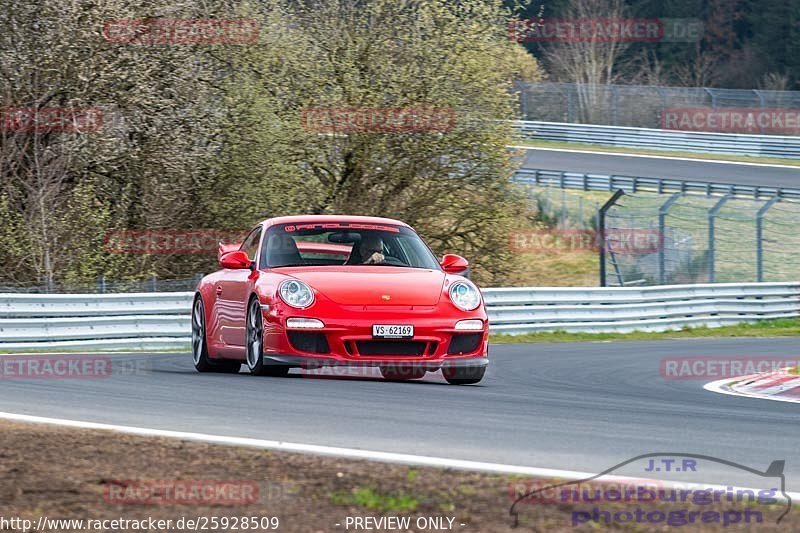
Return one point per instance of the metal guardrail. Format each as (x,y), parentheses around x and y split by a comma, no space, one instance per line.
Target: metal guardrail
(711,143)
(632,184)
(34,322)
(134,321)
(626,309)
(640,106)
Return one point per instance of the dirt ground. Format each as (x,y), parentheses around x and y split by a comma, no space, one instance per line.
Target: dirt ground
(63,473)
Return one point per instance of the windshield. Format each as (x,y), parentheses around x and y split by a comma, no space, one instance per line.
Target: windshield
(344,243)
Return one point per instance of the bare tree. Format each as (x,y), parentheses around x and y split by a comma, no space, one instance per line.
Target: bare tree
(591,63)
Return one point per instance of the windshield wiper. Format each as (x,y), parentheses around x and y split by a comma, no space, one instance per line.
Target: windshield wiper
(289,265)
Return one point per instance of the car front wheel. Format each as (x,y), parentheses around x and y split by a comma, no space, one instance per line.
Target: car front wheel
(255,344)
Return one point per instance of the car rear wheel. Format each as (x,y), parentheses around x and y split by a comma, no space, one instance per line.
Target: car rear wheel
(255,344)
(396,373)
(464,376)
(202,362)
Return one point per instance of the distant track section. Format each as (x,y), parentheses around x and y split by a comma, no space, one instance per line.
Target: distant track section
(634,172)
(632,184)
(659,139)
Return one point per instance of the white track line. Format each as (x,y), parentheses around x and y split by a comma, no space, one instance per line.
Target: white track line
(353,453)
(649,156)
(720,386)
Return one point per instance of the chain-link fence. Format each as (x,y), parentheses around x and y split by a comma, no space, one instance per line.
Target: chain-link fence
(637,105)
(702,240)
(565,209)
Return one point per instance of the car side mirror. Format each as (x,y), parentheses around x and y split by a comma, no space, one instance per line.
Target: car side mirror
(226,249)
(236,260)
(454,264)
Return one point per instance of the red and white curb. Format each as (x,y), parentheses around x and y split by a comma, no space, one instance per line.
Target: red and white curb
(779,386)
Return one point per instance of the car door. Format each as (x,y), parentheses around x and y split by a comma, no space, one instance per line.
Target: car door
(232,291)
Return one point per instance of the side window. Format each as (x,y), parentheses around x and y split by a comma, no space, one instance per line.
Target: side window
(250,244)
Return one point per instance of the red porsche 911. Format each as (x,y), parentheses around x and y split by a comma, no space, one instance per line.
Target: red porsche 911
(317,291)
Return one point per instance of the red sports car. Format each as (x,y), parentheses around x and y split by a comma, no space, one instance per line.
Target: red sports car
(316,291)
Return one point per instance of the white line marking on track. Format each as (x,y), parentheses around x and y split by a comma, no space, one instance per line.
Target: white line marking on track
(720,386)
(354,453)
(649,156)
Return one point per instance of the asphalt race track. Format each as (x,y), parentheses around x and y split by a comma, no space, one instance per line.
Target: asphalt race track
(581,406)
(690,170)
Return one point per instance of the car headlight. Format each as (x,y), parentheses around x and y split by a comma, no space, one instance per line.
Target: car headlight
(296,293)
(465,296)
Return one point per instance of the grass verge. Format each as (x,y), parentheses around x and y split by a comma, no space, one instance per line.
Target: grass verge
(665,153)
(789,327)
(68,473)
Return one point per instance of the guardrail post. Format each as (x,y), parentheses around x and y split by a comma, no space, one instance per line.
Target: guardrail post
(601,227)
(760,98)
(759,236)
(713,97)
(662,224)
(711,240)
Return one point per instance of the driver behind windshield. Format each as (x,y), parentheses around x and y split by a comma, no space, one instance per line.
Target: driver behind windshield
(369,251)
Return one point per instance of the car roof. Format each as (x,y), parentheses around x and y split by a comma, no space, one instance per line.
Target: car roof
(294,219)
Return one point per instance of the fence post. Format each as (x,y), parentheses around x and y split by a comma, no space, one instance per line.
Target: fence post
(711,238)
(760,234)
(601,227)
(662,222)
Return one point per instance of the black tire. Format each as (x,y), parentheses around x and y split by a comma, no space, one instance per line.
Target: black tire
(399,373)
(202,362)
(468,375)
(254,344)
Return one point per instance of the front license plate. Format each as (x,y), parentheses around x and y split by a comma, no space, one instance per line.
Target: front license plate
(392,331)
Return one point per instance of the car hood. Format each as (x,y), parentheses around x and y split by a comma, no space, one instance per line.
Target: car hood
(373,285)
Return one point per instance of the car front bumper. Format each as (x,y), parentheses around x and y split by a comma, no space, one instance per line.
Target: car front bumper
(347,339)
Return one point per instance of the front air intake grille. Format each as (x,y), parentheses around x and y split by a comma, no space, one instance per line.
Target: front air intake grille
(412,348)
(462,343)
(305,341)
